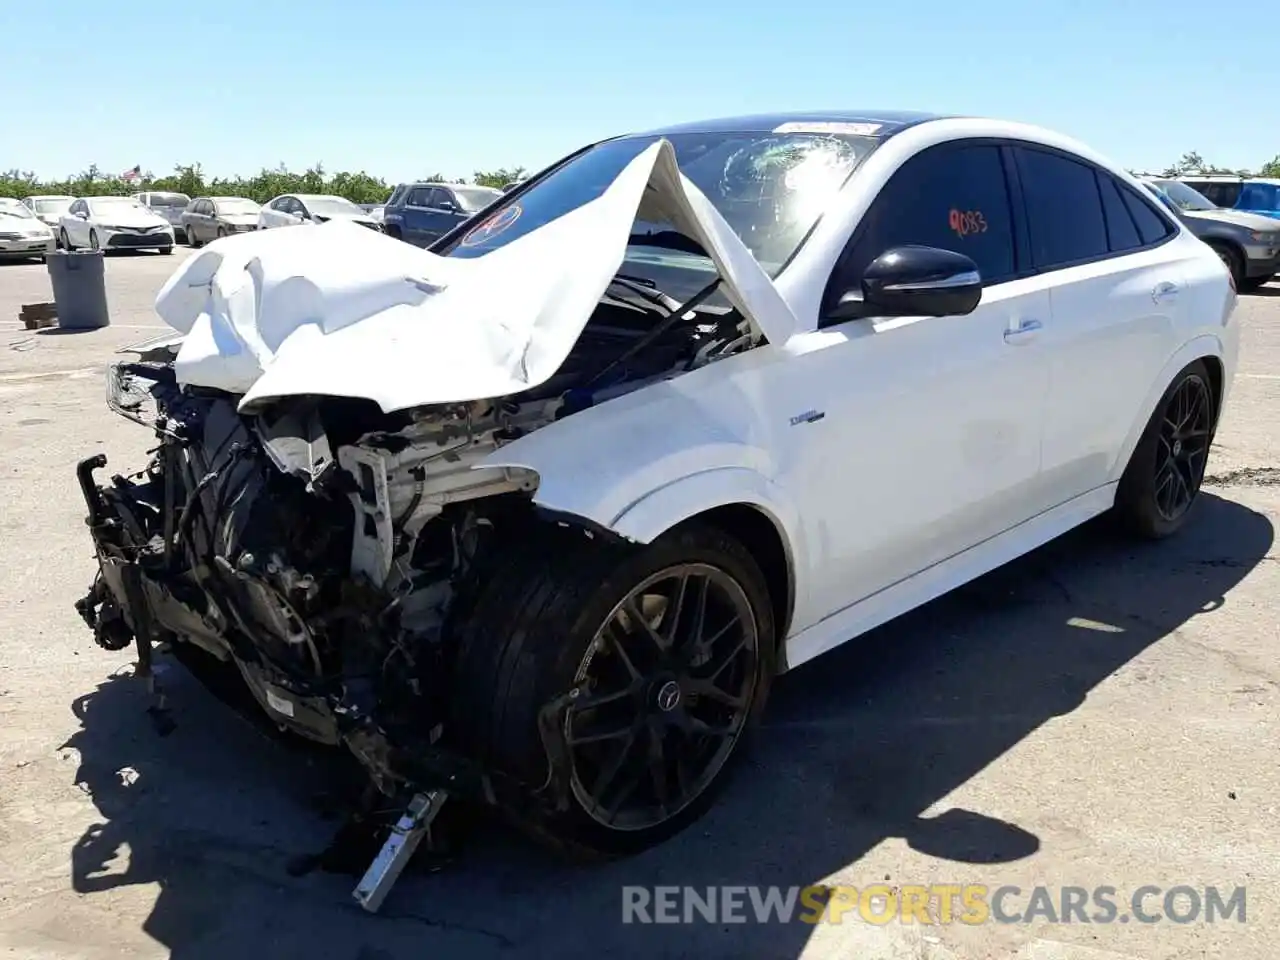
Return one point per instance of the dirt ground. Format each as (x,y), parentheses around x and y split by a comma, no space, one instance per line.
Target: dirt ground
(1098,713)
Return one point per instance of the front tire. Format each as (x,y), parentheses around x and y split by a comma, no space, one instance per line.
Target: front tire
(93,241)
(1253,284)
(1162,481)
(672,648)
(167,251)
(1233,261)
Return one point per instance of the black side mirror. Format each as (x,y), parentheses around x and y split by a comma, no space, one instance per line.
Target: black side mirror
(913,281)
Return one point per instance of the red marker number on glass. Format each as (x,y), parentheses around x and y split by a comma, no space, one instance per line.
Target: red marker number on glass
(965,223)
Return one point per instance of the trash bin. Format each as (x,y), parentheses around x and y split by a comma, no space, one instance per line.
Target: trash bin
(79,288)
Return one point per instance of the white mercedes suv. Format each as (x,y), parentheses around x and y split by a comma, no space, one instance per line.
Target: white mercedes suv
(536,515)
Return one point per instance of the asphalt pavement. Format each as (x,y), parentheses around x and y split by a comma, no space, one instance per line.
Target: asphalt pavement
(1097,714)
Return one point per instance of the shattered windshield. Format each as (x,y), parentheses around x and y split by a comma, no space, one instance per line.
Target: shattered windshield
(771,188)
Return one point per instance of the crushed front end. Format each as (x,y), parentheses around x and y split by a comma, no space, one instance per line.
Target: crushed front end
(316,552)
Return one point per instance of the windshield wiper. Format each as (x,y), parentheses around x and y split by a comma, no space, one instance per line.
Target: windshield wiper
(646,290)
(668,240)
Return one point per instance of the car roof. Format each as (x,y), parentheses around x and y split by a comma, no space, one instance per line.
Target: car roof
(888,122)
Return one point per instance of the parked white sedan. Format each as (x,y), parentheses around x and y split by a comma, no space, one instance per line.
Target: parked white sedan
(537,517)
(22,235)
(114,223)
(294,209)
(49,208)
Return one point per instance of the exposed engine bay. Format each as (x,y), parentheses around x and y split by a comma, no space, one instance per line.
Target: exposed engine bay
(325,549)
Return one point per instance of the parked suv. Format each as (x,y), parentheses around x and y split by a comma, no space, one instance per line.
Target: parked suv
(1248,244)
(419,213)
(1260,195)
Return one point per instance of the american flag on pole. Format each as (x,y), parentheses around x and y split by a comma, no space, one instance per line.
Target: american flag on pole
(132,174)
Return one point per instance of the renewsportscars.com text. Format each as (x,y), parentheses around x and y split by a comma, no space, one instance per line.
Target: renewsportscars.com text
(933,904)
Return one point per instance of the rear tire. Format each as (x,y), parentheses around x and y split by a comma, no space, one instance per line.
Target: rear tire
(546,620)
(63,240)
(1161,483)
(192,240)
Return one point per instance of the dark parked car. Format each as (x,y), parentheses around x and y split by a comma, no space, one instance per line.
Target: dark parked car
(208,218)
(419,213)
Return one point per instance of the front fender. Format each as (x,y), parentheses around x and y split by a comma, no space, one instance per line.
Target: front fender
(1205,345)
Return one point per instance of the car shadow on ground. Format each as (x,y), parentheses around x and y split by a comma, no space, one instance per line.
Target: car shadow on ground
(853,752)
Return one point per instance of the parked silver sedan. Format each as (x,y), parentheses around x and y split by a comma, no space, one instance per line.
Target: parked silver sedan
(208,218)
(22,234)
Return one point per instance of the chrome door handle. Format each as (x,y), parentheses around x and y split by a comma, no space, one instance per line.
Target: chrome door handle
(1164,291)
(1023,333)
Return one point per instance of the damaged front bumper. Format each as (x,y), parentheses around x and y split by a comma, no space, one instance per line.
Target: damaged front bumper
(131,602)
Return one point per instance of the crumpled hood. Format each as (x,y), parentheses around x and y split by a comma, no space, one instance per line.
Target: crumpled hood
(341,310)
(1250,221)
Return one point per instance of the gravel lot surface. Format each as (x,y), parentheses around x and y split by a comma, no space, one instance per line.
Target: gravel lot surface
(1096,714)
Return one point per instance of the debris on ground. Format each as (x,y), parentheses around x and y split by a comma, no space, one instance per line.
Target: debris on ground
(37,316)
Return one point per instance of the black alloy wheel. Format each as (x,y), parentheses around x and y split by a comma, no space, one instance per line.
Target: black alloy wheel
(1162,480)
(666,690)
(1186,429)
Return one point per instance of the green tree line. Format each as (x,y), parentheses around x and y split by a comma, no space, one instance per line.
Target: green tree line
(357,187)
(362,187)
(1194,163)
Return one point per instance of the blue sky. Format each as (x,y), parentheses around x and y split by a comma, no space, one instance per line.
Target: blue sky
(404,89)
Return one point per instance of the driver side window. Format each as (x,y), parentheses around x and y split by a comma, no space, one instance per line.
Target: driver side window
(950,196)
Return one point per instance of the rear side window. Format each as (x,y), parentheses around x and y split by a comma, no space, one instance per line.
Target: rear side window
(1151,226)
(1064,209)
(1122,232)
(952,196)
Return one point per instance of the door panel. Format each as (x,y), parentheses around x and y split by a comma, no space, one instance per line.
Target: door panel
(1115,299)
(416,223)
(1113,323)
(929,440)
